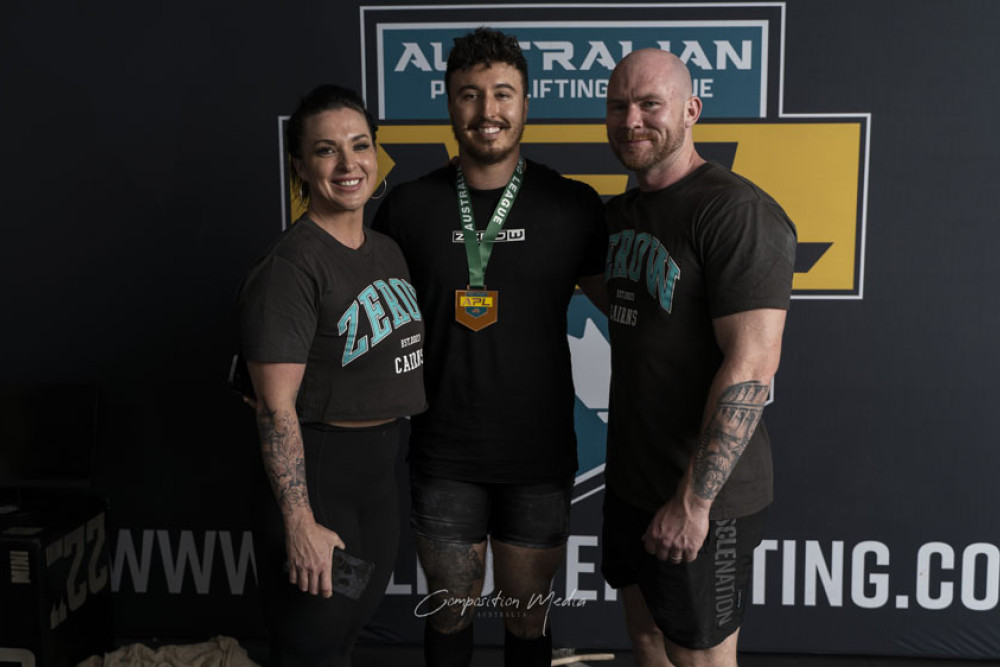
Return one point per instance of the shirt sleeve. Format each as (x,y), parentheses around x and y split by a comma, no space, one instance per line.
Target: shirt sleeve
(749,258)
(278,312)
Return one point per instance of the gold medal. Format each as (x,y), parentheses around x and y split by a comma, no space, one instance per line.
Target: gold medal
(476,308)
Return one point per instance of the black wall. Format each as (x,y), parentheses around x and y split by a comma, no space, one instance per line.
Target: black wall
(140,168)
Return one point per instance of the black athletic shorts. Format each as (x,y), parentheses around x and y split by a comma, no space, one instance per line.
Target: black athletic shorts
(698,604)
(524,515)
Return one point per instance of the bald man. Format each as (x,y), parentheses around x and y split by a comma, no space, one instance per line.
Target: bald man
(699,272)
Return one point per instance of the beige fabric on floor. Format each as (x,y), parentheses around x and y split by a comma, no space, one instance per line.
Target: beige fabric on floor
(218,652)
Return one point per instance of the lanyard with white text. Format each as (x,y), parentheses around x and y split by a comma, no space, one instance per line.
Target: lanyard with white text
(478,253)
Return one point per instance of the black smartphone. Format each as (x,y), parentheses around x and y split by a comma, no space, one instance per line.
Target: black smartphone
(239,377)
(350,574)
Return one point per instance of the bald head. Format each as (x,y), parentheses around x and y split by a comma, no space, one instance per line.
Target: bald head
(650,116)
(656,64)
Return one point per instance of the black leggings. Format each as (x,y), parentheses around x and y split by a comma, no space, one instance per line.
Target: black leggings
(352,490)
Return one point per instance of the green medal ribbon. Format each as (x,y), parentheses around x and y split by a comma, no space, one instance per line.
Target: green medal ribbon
(478,252)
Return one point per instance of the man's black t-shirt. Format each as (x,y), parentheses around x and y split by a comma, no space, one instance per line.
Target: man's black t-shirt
(501,399)
(712,244)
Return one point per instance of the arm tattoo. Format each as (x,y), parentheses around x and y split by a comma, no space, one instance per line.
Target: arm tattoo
(281,449)
(737,413)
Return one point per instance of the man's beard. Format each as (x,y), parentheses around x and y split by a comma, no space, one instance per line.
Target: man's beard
(486,157)
(640,162)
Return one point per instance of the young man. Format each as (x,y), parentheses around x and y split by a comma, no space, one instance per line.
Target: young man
(495,245)
(699,274)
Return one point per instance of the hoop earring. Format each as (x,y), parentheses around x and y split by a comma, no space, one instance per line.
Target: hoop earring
(385,188)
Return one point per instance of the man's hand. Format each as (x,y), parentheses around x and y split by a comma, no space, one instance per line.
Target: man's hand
(310,556)
(676,532)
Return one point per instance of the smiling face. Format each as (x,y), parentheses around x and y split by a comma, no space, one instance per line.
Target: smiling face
(650,112)
(488,106)
(338,161)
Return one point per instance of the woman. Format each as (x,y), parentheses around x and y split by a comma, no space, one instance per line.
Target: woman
(333,338)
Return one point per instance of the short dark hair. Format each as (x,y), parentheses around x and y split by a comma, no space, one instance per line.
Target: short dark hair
(328,97)
(485,46)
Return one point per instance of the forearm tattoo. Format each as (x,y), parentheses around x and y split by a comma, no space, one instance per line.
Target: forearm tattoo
(737,413)
(281,449)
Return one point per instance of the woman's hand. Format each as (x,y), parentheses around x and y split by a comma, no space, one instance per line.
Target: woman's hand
(310,556)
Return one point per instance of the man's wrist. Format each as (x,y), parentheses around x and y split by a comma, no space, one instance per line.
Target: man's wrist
(299,517)
(693,503)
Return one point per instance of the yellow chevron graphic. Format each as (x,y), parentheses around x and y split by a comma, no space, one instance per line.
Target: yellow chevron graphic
(813,168)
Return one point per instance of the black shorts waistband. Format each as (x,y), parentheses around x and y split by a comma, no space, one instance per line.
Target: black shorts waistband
(333,428)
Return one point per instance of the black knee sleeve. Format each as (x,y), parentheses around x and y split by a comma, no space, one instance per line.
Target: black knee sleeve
(454,650)
(518,652)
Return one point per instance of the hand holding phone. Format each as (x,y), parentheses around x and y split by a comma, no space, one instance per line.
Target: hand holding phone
(350,574)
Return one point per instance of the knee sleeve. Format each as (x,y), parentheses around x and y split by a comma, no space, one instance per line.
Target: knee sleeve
(518,652)
(454,650)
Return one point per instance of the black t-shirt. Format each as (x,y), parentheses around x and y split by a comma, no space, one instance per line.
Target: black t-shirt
(501,399)
(710,245)
(350,316)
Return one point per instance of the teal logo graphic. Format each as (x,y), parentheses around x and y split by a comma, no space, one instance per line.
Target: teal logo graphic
(570,64)
(588,344)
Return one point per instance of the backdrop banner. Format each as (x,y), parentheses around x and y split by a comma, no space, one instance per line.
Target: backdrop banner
(147,173)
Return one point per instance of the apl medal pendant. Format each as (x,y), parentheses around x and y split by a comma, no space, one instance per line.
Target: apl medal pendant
(476,308)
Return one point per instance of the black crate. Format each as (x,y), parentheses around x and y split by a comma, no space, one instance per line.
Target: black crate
(55,580)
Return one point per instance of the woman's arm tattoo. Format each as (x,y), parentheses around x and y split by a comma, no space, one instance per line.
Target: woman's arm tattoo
(737,413)
(281,449)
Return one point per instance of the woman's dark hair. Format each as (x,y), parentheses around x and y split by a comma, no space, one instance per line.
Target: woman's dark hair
(322,98)
(485,46)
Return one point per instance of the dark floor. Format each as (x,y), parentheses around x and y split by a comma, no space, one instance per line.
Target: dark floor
(407,656)
(395,655)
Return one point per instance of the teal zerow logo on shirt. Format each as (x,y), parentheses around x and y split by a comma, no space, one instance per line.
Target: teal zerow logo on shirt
(643,259)
(388,305)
